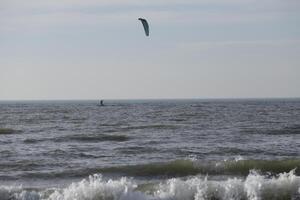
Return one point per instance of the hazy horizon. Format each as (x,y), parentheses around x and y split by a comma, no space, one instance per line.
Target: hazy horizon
(95,49)
(156,99)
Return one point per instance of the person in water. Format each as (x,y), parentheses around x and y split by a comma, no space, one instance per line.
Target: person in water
(101,103)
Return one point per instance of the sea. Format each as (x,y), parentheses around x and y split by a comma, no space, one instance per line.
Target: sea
(193,149)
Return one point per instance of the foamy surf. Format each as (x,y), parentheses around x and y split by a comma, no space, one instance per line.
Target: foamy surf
(254,187)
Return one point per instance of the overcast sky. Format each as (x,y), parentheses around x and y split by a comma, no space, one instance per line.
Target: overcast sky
(96,49)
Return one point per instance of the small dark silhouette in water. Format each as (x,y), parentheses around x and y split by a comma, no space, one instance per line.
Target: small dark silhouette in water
(101,103)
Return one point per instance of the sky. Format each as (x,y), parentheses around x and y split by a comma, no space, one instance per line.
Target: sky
(96,49)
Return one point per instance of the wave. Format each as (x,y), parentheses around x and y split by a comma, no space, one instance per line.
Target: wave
(94,138)
(33,141)
(254,187)
(290,130)
(81,138)
(172,169)
(151,126)
(7,131)
(179,168)
(137,150)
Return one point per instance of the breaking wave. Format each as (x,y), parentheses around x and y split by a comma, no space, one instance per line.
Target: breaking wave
(193,167)
(254,187)
(177,168)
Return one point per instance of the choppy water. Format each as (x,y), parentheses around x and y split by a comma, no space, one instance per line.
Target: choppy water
(163,149)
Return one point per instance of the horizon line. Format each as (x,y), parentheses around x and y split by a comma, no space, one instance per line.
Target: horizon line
(156,99)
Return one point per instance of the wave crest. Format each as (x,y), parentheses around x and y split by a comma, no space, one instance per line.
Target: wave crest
(190,167)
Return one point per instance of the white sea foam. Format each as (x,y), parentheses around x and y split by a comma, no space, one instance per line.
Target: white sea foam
(96,188)
(254,187)
(239,158)
(7,191)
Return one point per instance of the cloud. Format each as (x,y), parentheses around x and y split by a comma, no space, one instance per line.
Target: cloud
(238,44)
(36,14)
(75,4)
(38,3)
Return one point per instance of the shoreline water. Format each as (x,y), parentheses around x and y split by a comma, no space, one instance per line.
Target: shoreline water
(179,149)
(254,186)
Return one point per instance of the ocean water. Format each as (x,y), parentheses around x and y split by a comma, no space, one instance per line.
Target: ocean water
(150,150)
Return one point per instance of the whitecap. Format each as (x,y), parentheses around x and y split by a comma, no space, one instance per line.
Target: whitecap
(254,187)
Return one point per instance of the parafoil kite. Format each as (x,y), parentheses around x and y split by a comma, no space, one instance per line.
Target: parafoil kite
(145,25)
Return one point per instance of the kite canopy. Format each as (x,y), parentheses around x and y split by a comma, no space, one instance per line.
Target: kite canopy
(146,26)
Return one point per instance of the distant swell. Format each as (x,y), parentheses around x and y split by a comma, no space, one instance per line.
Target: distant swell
(291,130)
(81,138)
(254,187)
(7,131)
(94,138)
(151,126)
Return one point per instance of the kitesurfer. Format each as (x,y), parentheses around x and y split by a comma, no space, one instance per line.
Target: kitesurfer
(101,103)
